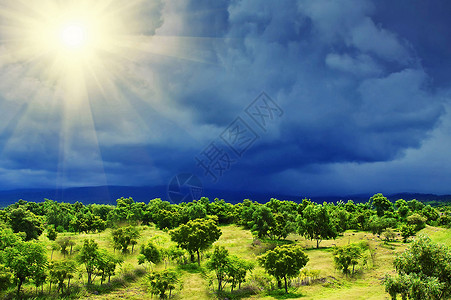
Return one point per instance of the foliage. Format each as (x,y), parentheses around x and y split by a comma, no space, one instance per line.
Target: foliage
(196,235)
(380,203)
(389,235)
(417,221)
(316,224)
(88,256)
(424,272)
(348,255)
(406,231)
(22,220)
(149,253)
(284,262)
(51,233)
(106,264)
(124,237)
(162,281)
(26,260)
(60,271)
(6,277)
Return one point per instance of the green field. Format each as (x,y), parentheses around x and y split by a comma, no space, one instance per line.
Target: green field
(328,283)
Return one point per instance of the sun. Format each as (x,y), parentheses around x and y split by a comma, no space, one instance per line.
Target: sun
(73,35)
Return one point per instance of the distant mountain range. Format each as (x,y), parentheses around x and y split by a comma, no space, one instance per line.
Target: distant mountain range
(109,194)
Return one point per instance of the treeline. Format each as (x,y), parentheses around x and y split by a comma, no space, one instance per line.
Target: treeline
(273,220)
(194,228)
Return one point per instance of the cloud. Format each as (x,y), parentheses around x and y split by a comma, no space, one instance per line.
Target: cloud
(353,92)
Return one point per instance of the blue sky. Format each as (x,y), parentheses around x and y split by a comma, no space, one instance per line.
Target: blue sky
(357,100)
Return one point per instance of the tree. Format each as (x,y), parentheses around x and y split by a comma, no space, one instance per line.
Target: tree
(316,224)
(149,253)
(196,235)
(380,203)
(346,256)
(406,231)
(60,271)
(106,264)
(228,268)
(282,226)
(236,270)
(63,243)
(88,256)
(22,220)
(424,271)
(124,237)
(389,235)
(26,260)
(9,239)
(51,233)
(6,277)
(218,263)
(162,281)
(263,220)
(284,262)
(417,221)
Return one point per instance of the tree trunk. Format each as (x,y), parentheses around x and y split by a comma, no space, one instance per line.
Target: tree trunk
(70,249)
(286,286)
(68,283)
(89,278)
(353,269)
(317,244)
(19,286)
(219,285)
(198,257)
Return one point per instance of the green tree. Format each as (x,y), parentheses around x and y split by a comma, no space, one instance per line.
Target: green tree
(9,239)
(6,277)
(389,235)
(417,221)
(51,233)
(22,220)
(380,203)
(424,271)
(149,253)
(406,231)
(106,264)
(284,262)
(89,254)
(218,263)
(60,271)
(196,235)
(237,269)
(162,281)
(124,237)
(346,256)
(282,225)
(316,224)
(64,243)
(26,260)
(263,220)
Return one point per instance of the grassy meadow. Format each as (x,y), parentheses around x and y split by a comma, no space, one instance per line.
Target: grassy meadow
(320,279)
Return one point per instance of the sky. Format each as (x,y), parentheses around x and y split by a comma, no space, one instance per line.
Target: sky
(310,98)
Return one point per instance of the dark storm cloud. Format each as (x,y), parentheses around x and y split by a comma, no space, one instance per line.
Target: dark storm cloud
(353,89)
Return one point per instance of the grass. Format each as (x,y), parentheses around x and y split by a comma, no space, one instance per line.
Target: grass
(198,283)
